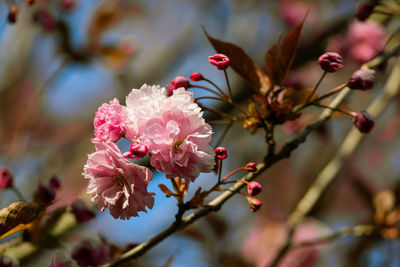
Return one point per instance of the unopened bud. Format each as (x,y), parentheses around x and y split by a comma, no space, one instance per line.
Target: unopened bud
(177,82)
(362,79)
(365,10)
(221,153)
(254,188)
(138,150)
(363,121)
(30,2)
(220,61)
(81,211)
(254,203)
(54,183)
(12,15)
(330,62)
(67,4)
(196,76)
(251,167)
(6,179)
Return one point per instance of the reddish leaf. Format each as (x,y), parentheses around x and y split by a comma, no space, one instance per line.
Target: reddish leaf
(165,190)
(19,215)
(240,61)
(197,200)
(280,57)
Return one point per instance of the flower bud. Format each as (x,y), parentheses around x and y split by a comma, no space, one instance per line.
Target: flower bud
(362,79)
(254,203)
(220,152)
(196,76)
(44,195)
(81,211)
(220,61)
(12,15)
(89,254)
(6,179)
(177,82)
(55,183)
(365,10)
(138,150)
(330,62)
(254,188)
(67,4)
(251,167)
(363,121)
(30,2)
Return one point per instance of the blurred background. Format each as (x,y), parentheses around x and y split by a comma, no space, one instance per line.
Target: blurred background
(60,60)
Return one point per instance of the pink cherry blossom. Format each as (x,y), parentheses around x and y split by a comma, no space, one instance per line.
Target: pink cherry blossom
(109,121)
(116,183)
(150,102)
(179,142)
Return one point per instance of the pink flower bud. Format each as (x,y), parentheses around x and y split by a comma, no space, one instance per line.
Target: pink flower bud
(251,167)
(363,121)
(55,183)
(220,152)
(12,15)
(138,150)
(362,79)
(89,254)
(254,188)
(220,61)
(196,76)
(44,195)
(6,178)
(365,10)
(254,203)
(30,2)
(177,82)
(330,62)
(81,211)
(67,4)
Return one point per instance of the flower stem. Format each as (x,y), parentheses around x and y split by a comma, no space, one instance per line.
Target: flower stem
(316,87)
(228,85)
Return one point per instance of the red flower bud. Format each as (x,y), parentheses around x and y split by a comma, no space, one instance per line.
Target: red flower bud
(220,152)
(30,2)
(88,254)
(6,179)
(365,10)
(251,167)
(138,150)
(67,4)
(220,61)
(55,183)
(254,203)
(330,62)
(177,82)
(362,79)
(363,121)
(12,15)
(81,211)
(254,188)
(196,76)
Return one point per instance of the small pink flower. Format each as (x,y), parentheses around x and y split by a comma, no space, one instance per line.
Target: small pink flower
(177,82)
(117,183)
(220,61)
(196,76)
(109,121)
(330,62)
(363,121)
(179,143)
(220,152)
(254,188)
(6,179)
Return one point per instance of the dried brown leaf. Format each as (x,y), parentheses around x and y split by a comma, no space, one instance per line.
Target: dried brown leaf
(19,215)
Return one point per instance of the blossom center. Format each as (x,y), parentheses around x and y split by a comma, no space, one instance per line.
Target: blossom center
(119,180)
(177,149)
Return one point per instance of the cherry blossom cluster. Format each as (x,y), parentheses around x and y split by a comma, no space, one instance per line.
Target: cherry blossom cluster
(166,125)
